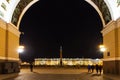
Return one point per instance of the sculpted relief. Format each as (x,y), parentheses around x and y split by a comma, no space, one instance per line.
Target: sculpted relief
(104,9)
(21,5)
(100,4)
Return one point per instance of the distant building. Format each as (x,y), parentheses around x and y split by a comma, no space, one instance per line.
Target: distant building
(67,61)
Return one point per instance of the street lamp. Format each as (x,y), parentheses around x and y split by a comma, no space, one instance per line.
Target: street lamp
(102,48)
(20,50)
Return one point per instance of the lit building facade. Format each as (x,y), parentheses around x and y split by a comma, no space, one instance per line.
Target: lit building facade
(67,61)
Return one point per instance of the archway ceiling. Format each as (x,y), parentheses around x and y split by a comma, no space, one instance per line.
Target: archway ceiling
(104,10)
(110,9)
(19,8)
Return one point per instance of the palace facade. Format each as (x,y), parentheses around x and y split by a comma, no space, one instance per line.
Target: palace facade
(67,61)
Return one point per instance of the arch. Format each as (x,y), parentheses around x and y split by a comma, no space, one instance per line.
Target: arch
(24,10)
(7,8)
(97,9)
(114,8)
(13,11)
(103,13)
(107,9)
(19,9)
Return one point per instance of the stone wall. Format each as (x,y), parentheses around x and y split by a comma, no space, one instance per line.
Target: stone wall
(111,40)
(9,42)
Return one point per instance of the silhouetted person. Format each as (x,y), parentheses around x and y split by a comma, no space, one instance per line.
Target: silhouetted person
(89,68)
(31,67)
(100,68)
(97,67)
(92,67)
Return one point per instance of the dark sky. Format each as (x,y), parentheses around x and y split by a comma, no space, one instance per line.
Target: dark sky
(73,24)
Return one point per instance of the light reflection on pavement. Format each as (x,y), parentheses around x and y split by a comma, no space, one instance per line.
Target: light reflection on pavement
(58,74)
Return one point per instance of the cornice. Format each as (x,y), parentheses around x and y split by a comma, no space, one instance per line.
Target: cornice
(109,27)
(111,59)
(10,27)
(13,59)
(2,24)
(13,29)
(2,58)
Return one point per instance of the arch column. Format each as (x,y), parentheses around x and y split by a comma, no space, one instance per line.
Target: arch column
(111,40)
(9,42)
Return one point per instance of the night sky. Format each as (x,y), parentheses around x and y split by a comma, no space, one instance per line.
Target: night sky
(72,24)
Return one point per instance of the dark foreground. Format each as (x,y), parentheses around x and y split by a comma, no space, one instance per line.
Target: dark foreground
(60,74)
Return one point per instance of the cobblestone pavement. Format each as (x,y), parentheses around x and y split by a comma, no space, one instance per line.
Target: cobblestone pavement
(59,74)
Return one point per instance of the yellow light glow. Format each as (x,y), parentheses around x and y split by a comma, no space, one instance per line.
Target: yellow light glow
(20,49)
(102,48)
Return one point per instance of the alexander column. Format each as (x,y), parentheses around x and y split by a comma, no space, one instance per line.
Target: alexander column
(60,55)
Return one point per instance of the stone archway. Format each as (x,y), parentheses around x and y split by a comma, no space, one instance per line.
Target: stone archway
(110,32)
(9,31)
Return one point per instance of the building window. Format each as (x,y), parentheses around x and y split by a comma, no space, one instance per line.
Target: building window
(108,53)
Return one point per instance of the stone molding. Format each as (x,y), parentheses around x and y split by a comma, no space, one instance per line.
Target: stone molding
(24,10)
(97,9)
(10,27)
(13,59)
(9,58)
(109,27)
(2,24)
(111,59)
(3,58)
(13,29)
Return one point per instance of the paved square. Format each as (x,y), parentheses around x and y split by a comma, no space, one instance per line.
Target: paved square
(58,74)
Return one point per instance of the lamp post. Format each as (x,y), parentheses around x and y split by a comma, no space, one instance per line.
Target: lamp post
(102,48)
(60,55)
(20,50)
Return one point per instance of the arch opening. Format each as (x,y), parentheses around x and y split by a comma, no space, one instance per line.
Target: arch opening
(68,18)
(60,23)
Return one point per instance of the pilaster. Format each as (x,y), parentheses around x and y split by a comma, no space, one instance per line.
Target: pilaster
(9,42)
(111,40)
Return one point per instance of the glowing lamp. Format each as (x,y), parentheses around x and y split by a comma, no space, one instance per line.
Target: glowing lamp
(102,48)
(20,49)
